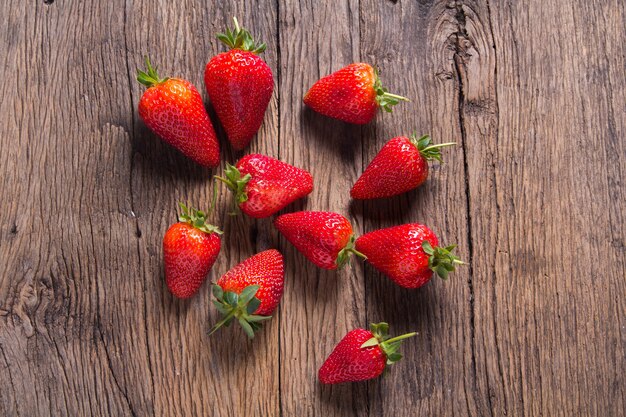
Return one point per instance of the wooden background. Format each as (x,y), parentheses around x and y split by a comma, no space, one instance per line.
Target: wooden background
(533,91)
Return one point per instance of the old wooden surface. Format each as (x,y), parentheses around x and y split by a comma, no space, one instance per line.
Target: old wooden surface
(534,92)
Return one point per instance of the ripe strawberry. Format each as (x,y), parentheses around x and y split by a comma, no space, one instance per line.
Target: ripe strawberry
(190,249)
(264,185)
(250,291)
(400,166)
(362,355)
(240,86)
(173,109)
(408,254)
(352,94)
(325,238)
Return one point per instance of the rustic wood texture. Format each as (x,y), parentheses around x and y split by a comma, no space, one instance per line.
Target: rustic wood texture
(533,92)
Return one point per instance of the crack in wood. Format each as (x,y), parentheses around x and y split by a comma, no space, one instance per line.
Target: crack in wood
(459,66)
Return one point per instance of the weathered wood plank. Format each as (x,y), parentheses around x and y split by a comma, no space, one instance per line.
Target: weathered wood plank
(319,307)
(543,157)
(413,44)
(67,235)
(89,327)
(225,374)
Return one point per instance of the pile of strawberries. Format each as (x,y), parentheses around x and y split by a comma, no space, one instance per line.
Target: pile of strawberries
(239,85)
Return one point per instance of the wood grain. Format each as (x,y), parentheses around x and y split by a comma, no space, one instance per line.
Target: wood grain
(534,94)
(440,380)
(319,307)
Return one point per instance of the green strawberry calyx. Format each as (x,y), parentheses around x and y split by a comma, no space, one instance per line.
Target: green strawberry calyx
(240,307)
(149,78)
(441,260)
(239,38)
(384,98)
(197,218)
(344,255)
(426,148)
(388,345)
(237,184)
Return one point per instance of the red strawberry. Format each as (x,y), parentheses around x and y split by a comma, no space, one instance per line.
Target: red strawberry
(325,238)
(174,110)
(408,254)
(362,355)
(352,94)
(190,249)
(400,166)
(264,185)
(240,86)
(250,291)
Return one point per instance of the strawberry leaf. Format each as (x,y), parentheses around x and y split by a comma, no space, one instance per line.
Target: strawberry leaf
(247,294)
(429,151)
(253,305)
(441,260)
(344,255)
(369,343)
(197,219)
(238,306)
(149,77)
(389,346)
(237,184)
(239,38)
(393,358)
(231,298)
(246,327)
(217,291)
(384,98)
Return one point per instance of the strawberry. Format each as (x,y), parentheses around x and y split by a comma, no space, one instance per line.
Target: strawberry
(264,185)
(400,166)
(352,94)
(250,291)
(408,254)
(240,86)
(325,238)
(173,109)
(190,249)
(362,355)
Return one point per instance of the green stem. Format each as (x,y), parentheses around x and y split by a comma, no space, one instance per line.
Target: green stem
(397,97)
(357,253)
(438,145)
(222,322)
(402,337)
(236,24)
(226,181)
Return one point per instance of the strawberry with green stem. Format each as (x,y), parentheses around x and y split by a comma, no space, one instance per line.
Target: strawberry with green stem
(353,94)
(409,254)
(173,109)
(263,185)
(240,85)
(362,355)
(250,292)
(190,248)
(400,166)
(324,238)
